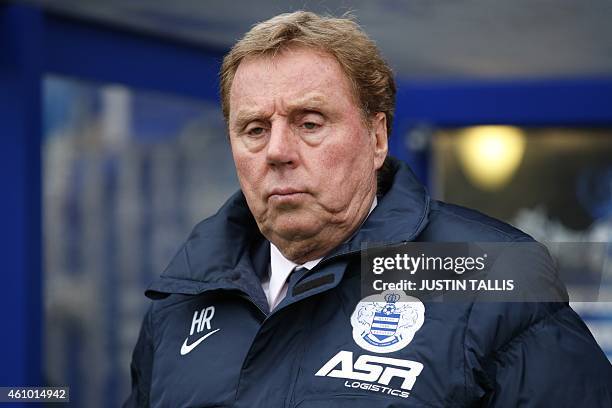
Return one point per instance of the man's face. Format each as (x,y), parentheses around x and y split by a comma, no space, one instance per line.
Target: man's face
(305,159)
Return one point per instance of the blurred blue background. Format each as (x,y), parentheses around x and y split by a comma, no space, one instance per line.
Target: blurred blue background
(113,146)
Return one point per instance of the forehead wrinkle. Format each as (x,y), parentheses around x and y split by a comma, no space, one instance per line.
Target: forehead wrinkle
(272,76)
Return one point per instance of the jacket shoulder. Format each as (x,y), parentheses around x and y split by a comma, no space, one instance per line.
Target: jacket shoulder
(449,222)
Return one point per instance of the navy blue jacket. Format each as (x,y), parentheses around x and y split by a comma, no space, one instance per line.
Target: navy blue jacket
(209,339)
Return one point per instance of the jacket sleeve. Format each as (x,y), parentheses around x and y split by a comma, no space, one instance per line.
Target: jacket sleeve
(555,362)
(141,366)
(535,353)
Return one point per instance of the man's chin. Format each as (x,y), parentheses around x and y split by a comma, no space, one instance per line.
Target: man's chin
(293,230)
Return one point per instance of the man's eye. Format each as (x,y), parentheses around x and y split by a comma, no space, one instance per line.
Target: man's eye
(256,131)
(310,125)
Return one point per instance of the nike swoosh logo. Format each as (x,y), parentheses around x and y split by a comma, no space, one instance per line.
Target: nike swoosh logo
(186,349)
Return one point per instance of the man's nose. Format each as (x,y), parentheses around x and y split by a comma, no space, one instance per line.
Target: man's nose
(282,145)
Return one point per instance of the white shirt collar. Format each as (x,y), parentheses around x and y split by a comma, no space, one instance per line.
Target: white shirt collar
(275,286)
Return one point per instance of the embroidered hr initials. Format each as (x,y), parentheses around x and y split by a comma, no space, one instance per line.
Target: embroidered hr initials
(202,319)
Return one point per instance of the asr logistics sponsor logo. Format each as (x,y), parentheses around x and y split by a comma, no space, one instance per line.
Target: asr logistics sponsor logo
(382,324)
(373,373)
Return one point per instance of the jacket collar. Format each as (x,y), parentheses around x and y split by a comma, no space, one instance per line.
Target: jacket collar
(227,251)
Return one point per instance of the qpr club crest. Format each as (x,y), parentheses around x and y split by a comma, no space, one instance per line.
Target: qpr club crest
(387,322)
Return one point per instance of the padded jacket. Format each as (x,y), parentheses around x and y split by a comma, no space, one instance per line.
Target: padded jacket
(209,339)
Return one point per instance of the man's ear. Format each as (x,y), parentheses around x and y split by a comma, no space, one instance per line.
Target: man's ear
(380,140)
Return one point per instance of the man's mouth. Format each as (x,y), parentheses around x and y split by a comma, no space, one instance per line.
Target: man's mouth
(285,194)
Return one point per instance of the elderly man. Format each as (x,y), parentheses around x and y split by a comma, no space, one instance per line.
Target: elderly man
(257,308)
